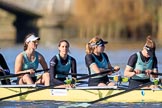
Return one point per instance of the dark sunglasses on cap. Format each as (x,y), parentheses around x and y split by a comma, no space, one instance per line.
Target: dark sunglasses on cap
(99,43)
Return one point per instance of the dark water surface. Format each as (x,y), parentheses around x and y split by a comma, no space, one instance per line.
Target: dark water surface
(56,104)
(117,57)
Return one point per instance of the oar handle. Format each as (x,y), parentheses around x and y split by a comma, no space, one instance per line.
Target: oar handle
(160,74)
(37,71)
(153,73)
(16,75)
(74,74)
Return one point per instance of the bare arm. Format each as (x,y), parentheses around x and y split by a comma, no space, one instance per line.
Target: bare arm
(128,72)
(43,62)
(95,68)
(18,63)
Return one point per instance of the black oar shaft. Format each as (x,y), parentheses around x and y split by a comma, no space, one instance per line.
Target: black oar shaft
(16,75)
(120,93)
(156,73)
(23,93)
(75,74)
(152,73)
(93,75)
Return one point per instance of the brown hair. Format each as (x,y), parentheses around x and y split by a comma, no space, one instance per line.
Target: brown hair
(89,46)
(25,44)
(59,44)
(150,43)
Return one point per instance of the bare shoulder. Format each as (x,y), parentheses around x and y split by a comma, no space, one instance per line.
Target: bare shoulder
(19,56)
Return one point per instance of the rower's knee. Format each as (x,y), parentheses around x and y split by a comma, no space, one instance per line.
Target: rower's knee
(46,79)
(27,79)
(46,76)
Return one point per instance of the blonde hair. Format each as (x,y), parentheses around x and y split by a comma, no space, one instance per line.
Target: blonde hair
(90,45)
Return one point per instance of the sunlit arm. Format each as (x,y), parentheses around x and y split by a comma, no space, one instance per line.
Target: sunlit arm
(129,72)
(95,68)
(43,62)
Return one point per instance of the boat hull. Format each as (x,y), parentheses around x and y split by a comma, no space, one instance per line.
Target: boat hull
(82,95)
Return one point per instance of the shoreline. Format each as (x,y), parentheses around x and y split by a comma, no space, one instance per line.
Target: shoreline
(112,45)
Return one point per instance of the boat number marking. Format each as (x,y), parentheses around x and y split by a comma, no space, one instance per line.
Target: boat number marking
(58,92)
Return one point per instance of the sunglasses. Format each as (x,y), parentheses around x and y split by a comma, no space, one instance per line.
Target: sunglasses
(35,42)
(149,50)
(101,45)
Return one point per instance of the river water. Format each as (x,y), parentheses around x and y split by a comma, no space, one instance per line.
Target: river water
(117,57)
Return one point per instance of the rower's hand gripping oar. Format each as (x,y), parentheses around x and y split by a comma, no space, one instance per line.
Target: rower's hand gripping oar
(16,75)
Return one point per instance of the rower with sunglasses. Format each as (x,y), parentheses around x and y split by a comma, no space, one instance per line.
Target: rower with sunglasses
(141,64)
(97,61)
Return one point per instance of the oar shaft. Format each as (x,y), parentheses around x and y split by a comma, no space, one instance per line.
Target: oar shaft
(160,74)
(120,93)
(96,74)
(23,93)
(16,75)
(153,73)
(75,74)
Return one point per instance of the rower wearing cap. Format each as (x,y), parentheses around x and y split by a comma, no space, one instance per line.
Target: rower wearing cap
(141,64)
(97,61)
(28,61)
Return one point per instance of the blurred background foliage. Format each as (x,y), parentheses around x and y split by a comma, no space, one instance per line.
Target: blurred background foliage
(118,20)
(114,20)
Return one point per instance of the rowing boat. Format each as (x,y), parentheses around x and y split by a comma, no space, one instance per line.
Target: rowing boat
(79,94)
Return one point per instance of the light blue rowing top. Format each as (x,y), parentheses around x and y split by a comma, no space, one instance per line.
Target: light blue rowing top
(140,65)
(60,68)
(30,64)
(101,64)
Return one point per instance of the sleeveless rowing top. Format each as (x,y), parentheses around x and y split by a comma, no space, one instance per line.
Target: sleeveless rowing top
(30,64)
(101,64)
(60,68)
(140,65)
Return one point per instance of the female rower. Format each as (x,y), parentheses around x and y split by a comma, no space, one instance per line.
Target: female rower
(62,63)
(4,70)
(28,61)
(97,62)
(142,61)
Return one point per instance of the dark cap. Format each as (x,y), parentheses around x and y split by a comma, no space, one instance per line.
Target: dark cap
(98,43)
(150,51)
(101,42)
